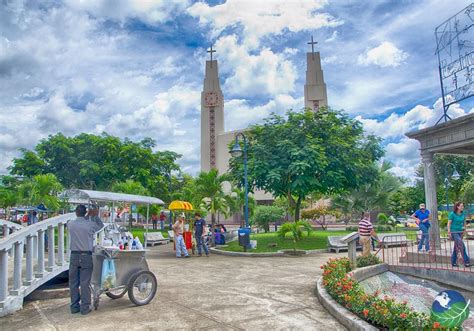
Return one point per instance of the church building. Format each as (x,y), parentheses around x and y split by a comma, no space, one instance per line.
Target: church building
(214,138)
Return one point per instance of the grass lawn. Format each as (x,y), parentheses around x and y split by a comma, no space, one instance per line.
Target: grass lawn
(316,240)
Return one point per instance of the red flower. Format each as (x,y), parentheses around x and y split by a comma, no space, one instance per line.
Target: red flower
(403,315)
(365,312)
(436,325)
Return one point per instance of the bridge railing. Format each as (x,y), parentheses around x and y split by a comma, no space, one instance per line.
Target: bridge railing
(6,228)
(36,256)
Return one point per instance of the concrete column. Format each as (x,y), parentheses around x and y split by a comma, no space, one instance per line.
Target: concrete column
(61,244)
(29,260)
(17,268)
(430,197)
(3,277)
(51,255)
(6,231)
(40,261)
(352,253)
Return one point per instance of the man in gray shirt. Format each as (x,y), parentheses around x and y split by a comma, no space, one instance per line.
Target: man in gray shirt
(81,235)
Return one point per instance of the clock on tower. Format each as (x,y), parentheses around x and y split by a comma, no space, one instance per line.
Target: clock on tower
(211,99)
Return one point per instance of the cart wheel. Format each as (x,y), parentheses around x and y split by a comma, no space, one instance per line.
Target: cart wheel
(142,287)
(116,293)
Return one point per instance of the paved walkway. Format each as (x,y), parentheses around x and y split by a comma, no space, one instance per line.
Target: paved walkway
(220,293)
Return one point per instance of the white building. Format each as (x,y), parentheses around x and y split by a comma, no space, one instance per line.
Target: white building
(214,138)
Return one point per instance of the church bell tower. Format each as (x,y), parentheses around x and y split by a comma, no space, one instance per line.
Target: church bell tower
(315,93)
(212,115)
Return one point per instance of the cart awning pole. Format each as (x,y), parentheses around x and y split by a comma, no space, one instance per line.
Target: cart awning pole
(146,231)
(113,213)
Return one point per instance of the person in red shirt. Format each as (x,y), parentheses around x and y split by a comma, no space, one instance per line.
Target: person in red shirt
(154,220)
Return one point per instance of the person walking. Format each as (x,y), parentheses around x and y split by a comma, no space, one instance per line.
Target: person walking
(178,229)
(366,232)
(456,228)
(199,233)
(81,234)
(422,218)
(162,220)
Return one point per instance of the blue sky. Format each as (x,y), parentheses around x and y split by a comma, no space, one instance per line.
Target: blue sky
(135,68)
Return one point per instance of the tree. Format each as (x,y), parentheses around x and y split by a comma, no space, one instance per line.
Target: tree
(324,152)
(446,165)
(8,198)
(373,195)
(468,191)
(236,203)
(317,214)
(264,215)
(98,161)
(295,229)
(209,185)
(41,189)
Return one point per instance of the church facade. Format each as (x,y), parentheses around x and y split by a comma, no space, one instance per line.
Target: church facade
(214,138)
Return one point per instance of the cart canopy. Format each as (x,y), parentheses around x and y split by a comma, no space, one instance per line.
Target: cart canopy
(180,205)
(85,196)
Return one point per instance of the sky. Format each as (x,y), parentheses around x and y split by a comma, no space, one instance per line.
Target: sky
(135,68)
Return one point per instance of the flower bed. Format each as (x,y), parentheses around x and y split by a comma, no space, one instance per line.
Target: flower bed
(384,313)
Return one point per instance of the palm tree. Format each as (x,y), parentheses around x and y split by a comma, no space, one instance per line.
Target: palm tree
(236,203)
(295,229)
(209,185)
(374,195)
(8,199)
(42,189)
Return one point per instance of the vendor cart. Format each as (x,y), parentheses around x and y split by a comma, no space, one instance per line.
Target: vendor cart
(184,207)
(118,271)
(131,275)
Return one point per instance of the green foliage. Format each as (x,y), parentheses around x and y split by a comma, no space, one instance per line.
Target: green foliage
(370,196)
(264,215)
(209,187)
(443,219)
(445,165)
(352,228)
(364,261)
(406,199)
(97,162)
(468,191)
(324,152)
(382,218)
(384,313)
(236,203)
(41,189)
(295,230)
(8,198)
(383,228)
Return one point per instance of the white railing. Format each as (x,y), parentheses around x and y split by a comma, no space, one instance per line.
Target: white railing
(43,260)
(6,228)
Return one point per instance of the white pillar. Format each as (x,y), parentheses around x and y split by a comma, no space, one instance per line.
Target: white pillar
(430,197)
(29,260)
(61,244)
(3,276)
(6,231)
(51,255)
(17,268)
(40,261)
(35,243)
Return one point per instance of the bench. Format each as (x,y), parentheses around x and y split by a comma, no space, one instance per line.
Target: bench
(171,235)
(393,239)
(155,238)
(335,244)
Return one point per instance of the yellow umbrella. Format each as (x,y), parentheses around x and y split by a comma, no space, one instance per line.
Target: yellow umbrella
(180,205)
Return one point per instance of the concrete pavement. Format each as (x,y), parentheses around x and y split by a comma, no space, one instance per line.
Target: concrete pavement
(220,292)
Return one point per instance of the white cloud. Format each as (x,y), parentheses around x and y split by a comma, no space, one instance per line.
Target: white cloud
(239,113)
(400,150)
(333,37)
(384,55)
(149,11)
(261,18)
(262,73)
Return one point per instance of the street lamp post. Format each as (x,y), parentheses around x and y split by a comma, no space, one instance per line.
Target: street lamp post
(446,181)
(237,152)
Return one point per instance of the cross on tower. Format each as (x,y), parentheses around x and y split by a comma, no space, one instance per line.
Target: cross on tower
(312,43)
(211,51)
